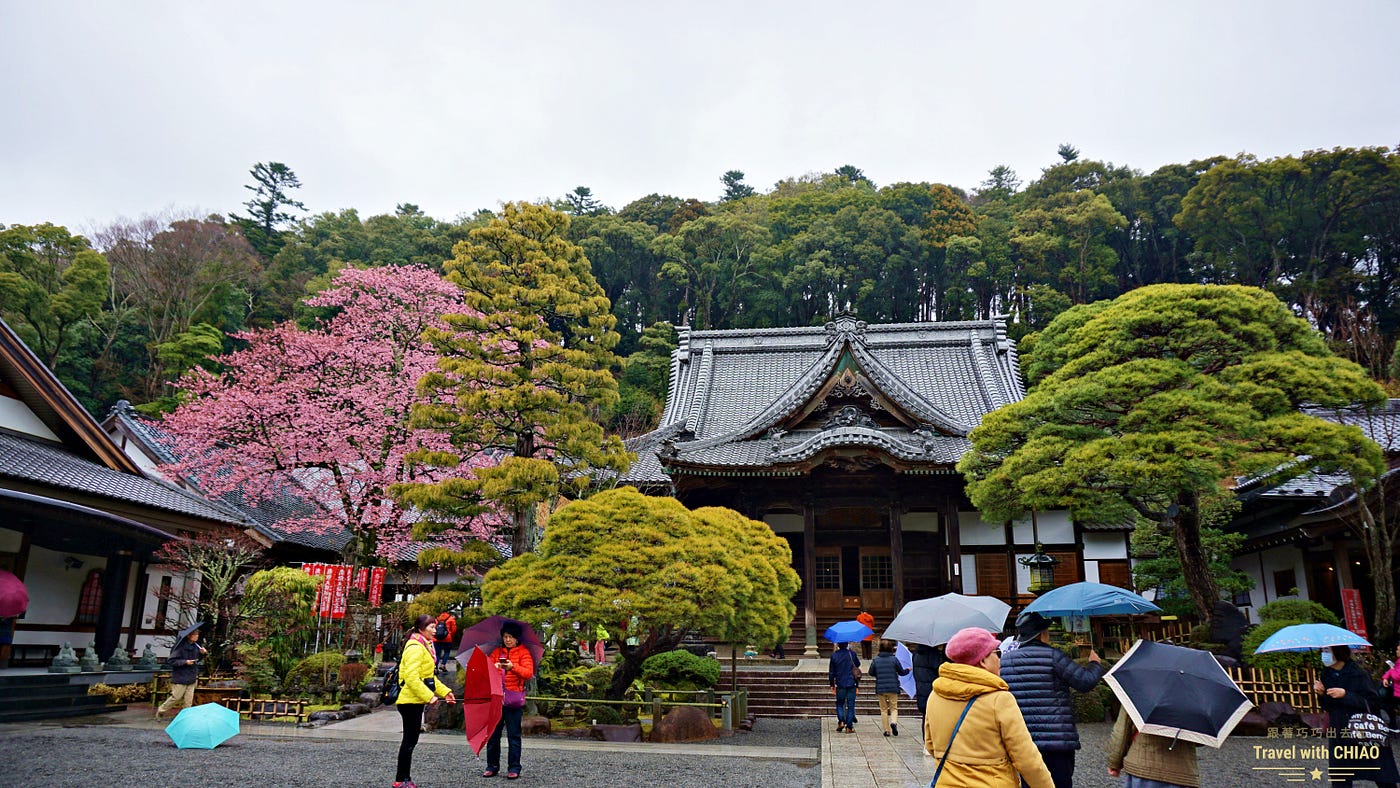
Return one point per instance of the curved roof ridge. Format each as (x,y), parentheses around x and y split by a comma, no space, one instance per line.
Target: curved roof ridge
(681,353)
(977,351)
(701,398)
(896,388)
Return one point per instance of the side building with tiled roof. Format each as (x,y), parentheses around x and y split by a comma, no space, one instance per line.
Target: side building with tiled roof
(844,438)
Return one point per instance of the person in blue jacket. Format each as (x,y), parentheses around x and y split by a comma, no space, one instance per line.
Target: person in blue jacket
(1040,677)
(841,672)
(887,670)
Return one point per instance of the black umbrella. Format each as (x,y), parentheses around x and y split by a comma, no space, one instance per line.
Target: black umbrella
(1178,692)
(184,633)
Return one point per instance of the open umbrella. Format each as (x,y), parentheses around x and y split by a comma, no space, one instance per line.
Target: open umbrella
(481,697)
(1089,599)
(847,632)
(203,727)
(184,633)
(906,661)
(1306,637)
(933,621)
(487,634)
(14,597)
(1178,692)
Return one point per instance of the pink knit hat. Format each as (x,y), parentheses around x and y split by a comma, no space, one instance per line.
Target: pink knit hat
(970,646)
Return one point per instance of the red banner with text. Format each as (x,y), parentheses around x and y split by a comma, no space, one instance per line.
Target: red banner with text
(1352,611)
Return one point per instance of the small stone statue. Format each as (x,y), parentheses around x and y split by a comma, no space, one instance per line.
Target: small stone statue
(89,661)
(119,663)
(148,659)
(66,661)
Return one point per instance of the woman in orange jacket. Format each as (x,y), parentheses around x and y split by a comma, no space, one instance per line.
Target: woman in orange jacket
(517,667)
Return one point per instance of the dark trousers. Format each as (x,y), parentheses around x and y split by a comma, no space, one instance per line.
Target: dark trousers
(1061,766)
(412,715)
(846,706)
(510,724)
(442,649)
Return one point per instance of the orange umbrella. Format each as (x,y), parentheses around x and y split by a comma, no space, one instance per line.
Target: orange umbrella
(481,697)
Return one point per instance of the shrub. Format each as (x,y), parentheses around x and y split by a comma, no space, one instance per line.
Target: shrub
(680,670)
(121,693)
(1275,660)
(603,715)
(1297,611)
(352,675)
(316,669)
(598,679)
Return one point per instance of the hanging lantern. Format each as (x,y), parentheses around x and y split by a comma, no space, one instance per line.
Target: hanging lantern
(1042,569)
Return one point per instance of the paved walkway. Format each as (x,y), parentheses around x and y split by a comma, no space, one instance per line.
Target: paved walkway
(869,759)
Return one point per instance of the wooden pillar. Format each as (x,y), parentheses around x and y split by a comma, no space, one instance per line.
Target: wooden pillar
(897,555)
(809,588)
(109,613)
(950,513)
(138,603)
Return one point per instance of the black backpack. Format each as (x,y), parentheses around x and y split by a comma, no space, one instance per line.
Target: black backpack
(441,632)
(390,694)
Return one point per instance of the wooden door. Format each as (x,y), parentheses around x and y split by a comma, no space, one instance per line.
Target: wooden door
(828,579)
(876,578)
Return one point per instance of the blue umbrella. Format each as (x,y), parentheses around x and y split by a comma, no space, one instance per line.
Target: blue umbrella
(1306,637)
(203,727)
(1089,599)
(906,660)
(847,632)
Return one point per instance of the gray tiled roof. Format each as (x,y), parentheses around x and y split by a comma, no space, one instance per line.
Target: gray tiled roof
(729,389)
(43,462)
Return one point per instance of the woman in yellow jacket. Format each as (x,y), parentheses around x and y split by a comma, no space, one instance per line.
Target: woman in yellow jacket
(417,688)
(991,748)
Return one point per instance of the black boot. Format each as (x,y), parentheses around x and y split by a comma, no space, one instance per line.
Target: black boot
(894,729)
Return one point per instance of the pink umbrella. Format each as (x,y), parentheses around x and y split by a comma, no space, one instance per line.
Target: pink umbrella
(14,597)
(481,697)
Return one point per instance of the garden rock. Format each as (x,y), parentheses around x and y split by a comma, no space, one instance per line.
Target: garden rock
(535,726)
(684,723)
(355,709)
(444,716)
(623,733)
(370,699)
(327,716)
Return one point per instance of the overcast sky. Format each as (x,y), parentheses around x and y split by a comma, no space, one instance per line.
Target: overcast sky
(114,109)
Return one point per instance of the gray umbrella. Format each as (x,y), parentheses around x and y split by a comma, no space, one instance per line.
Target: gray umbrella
(184,633)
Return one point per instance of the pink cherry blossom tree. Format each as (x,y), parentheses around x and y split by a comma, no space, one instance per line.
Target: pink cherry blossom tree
(322,413)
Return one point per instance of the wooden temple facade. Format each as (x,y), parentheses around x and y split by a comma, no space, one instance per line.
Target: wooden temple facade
(844,438)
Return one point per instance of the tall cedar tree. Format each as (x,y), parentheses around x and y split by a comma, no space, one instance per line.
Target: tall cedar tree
(1154,402)
(524,375)
(647,568)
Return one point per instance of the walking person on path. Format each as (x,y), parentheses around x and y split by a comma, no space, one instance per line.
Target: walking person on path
(926,662)
(1346,690)
(974,727)
(1040,677)
(1150,761)
(443,635)
(887,670)
(841,673)
(417,689)
(517,666)
(868,620)
(184,671)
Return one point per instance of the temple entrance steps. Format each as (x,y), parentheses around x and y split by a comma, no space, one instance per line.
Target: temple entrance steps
(47,696)
(785,689)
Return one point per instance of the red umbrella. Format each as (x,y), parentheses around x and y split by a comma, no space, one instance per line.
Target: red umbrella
(481,697)
(487,634)
(14,597)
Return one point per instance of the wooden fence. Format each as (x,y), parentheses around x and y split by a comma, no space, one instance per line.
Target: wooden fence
(257,709)
(1293,687)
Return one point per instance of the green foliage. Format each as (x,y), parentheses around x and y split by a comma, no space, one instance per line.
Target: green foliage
(603,715)
(281,600)
(320,669)
(1158,564)
(680,670)
(1298,610)
(51,282)
(1276,615)
(460,595)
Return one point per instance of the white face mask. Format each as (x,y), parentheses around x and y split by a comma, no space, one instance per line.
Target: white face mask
(1327,659)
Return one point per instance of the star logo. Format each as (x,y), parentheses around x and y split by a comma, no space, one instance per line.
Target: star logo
(1316,773)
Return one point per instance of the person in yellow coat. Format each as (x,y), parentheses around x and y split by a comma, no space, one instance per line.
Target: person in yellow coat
(973,727)
(418,687)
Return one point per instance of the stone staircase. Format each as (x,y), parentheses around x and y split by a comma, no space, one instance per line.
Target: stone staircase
(47,696)
(789,688)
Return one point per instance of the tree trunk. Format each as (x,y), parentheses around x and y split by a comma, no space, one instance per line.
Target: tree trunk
(1195,565)
(630,667)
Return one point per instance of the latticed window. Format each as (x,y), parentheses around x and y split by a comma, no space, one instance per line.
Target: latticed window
(876,572)
(90,600)
(828,572)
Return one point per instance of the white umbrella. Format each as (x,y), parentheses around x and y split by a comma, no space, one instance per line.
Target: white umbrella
(933,621)
(906,661)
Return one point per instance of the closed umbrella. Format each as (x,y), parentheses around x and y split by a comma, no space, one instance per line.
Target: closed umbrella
(487,634)
(847,632)
(1178,693)
(1306,637)
(906,661)
(14,597)
(1090,599)
(203,727)
(481,697)
(933,621)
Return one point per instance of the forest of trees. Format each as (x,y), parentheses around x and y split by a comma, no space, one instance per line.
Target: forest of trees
(123,312)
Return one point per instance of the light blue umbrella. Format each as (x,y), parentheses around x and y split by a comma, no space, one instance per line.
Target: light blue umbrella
(906,660)
(847,632)
(1089,599)
(1306,637)
(203,727)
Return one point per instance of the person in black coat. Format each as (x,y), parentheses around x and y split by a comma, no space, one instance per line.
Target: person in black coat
(1040,677)
(184,671)
(927,660)
(1346,690)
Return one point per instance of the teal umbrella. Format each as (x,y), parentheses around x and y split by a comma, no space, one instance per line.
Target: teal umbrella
(203,727)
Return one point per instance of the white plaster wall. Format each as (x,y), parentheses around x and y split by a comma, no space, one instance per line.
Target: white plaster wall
(926,522)
(1274,559)
(16,416)
(1099,546)
(784,523)
(969,574)
(53,596)
(1091,571)
(1054,527)
(972,529)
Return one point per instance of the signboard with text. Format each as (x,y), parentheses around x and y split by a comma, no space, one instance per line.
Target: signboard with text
(1351,610)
